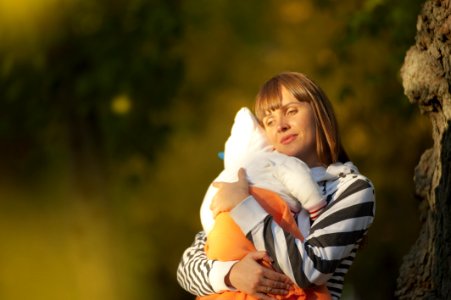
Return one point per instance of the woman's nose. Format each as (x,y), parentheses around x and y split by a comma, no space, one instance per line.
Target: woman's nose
(282,126)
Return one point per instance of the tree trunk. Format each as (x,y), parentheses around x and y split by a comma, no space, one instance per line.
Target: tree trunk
(426,75)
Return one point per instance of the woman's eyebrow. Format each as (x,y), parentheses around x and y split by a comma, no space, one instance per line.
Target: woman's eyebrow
(290,104)
(268,113)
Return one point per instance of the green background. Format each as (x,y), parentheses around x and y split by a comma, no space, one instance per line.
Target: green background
(112,114)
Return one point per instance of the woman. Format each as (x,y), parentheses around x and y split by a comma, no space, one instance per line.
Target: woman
(299,121)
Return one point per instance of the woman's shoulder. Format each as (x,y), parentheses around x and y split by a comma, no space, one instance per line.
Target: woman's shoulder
(348,181)
(355,187)
(350,178)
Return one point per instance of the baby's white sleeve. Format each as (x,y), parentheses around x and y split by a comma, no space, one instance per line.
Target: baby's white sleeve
(295,175)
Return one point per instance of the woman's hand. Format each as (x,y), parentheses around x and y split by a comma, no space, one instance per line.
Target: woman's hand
(250,277)
(229,194)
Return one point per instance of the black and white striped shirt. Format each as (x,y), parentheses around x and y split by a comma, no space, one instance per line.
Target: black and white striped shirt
(324,257)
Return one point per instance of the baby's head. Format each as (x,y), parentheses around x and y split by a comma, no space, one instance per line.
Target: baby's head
(246,139)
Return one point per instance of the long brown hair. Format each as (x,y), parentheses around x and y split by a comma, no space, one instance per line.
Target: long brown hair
(328,143)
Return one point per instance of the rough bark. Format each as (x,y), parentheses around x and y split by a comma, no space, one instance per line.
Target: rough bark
(426,74)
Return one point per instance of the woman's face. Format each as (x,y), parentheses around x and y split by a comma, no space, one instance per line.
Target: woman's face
(291,129)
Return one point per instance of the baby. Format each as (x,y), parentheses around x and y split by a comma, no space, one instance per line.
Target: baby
(285,175)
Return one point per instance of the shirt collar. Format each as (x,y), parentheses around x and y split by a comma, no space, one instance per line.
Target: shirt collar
(333,171)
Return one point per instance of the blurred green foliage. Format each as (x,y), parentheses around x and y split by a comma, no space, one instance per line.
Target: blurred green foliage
(102,53)
(112,113)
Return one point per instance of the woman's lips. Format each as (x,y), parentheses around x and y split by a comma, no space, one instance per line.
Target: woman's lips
(288,139)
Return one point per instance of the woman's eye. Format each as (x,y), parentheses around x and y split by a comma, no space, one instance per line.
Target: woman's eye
(269,123)
(292,111)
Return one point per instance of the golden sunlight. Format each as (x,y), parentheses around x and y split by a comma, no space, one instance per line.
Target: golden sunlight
(25,14)
(296,11)
(121,104)
(26,25)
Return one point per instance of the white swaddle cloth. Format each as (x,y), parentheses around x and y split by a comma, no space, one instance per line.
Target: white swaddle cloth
(248,148)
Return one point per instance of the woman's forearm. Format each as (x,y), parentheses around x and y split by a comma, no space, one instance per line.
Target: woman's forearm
(199,275)
(194,268)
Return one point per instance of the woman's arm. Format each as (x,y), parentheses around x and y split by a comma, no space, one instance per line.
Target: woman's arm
(332,238)
(194,268)
(200,276)
(335,234)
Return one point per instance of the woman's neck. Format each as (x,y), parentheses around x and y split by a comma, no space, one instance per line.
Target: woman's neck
(312,162)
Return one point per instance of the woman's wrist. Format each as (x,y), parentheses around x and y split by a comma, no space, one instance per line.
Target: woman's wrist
(227,278)
(219,275)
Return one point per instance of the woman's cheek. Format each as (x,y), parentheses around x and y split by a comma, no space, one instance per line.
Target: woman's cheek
(272,140)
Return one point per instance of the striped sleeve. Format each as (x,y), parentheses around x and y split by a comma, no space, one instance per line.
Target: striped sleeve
(194,268)
(333,236)
(336,282)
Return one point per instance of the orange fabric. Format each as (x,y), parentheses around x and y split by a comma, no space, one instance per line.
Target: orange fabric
(227,242)
(274,205)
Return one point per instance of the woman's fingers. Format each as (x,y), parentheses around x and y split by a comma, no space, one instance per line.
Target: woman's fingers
(275,283)
(242,180)
(242,176)
(230,194)
(259,255)
(262,296)
(249,276)
(279,279)
(217,184)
